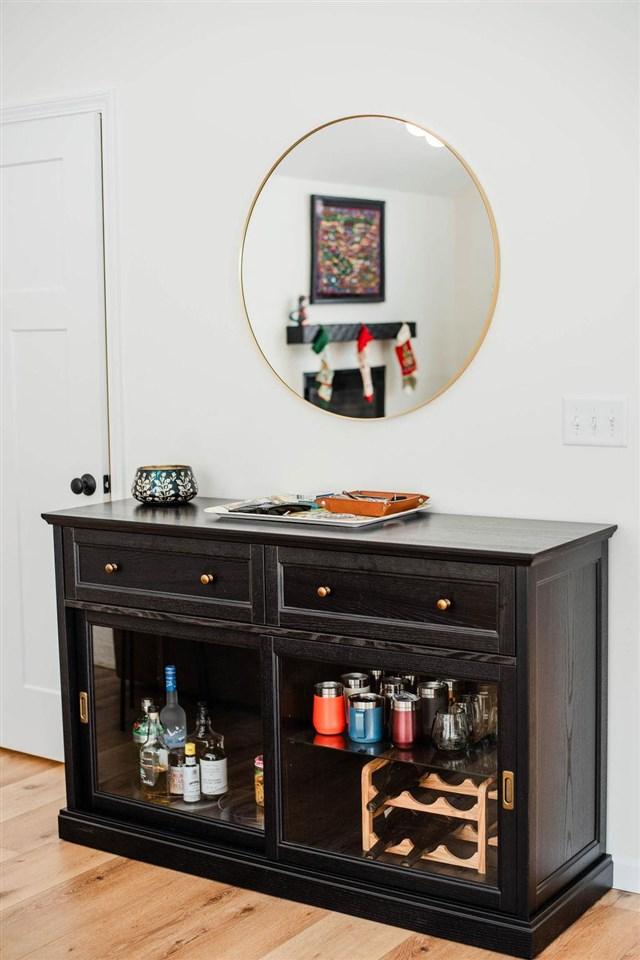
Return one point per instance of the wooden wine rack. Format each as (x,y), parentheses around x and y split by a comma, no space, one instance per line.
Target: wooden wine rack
(475,827)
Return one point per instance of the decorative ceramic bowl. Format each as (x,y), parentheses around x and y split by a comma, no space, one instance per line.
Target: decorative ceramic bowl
(174,483)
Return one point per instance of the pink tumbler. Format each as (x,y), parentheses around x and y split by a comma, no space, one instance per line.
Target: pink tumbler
(404,719)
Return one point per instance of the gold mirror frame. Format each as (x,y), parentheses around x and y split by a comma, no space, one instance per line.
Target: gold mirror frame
(496,253)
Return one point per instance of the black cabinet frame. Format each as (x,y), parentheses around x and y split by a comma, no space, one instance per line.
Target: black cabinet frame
(550,664)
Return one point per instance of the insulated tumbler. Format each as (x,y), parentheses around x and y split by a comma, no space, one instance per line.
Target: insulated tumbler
(329,715)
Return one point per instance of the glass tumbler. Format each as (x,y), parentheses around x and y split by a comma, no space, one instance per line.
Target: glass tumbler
(451,731)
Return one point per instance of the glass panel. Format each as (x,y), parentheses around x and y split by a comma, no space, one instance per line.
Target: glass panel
(403,772)
(141,758)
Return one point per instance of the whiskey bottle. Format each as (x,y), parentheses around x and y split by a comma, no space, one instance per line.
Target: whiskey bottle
(172,716)
(199,732)
(153,766)
(213,764)
(191,775)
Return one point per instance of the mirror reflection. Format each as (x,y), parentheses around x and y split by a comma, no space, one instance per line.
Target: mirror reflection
(370,267)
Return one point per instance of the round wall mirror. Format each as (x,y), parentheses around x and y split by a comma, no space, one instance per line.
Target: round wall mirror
(370,266)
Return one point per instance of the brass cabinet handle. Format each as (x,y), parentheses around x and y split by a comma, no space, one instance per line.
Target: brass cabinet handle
(84,706)
(323,592)
(443,603)
(206,579)
(111,568)
(508,795)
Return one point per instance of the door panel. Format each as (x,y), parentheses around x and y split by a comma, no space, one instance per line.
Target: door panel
(440,812)
(54,393)
(126,660)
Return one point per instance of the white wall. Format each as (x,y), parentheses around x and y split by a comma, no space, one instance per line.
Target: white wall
(540,98)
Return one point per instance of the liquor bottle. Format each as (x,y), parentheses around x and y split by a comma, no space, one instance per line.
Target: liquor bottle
(172,716)
(429,834)
(392,829)
(153,767)
(395,777)
(140,728)
(191,775)
(176,771)
(199,732)
(213,764)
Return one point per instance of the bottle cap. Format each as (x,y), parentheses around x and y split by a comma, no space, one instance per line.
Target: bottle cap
(190,749)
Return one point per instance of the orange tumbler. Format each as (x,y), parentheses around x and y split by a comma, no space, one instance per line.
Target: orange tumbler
(329,716)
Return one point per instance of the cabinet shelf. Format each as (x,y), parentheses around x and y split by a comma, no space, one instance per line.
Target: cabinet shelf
(345,332)
(480,762)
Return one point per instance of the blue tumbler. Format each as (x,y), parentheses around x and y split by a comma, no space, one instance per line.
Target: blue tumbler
(366,718)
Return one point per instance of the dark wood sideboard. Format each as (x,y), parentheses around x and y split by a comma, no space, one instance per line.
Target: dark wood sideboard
(238,609)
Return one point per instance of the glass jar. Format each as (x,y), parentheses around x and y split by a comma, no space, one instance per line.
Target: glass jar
(258,779)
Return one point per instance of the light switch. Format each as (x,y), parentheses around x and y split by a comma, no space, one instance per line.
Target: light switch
(594,421)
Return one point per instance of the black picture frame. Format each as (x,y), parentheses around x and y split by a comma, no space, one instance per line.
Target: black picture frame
(318,295)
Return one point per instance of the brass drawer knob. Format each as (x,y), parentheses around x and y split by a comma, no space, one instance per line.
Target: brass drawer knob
(443,603)
(323,592)
(206,579)
(111,568)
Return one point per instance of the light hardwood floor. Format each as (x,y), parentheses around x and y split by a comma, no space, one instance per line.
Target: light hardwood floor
(61,900)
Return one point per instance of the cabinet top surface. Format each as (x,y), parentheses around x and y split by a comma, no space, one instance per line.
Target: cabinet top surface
(428,533)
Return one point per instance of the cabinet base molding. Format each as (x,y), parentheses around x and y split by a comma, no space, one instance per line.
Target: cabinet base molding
(481,928)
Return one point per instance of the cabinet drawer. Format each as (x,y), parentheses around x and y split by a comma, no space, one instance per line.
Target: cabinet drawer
(461,605)
(164,573)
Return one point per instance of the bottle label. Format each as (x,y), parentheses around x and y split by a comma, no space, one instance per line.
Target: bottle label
(213,776)
(176,780)
(191,783)
(148,774)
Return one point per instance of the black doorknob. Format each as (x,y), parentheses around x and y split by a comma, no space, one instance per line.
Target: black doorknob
(85,484)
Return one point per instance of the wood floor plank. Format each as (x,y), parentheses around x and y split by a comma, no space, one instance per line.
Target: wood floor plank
(30,830)
(37,870)
(16,766)
(606,932)
(61,900)
(337,937)
(31,792)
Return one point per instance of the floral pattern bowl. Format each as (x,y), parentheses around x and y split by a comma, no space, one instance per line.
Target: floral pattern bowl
(164,484)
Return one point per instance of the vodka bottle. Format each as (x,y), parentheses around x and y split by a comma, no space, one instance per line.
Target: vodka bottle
(172,716)
(153,766)
(191,775)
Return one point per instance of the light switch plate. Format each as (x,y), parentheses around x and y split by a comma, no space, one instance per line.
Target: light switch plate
(594,421)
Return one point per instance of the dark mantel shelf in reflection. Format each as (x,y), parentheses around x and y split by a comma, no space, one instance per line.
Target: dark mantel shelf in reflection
(481,761)
(344,332)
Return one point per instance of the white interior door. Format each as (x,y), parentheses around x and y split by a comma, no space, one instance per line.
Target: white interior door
(54,394)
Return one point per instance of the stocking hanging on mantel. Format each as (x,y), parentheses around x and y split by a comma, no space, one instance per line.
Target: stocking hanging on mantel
(364,339)
(324,376)
(406,358)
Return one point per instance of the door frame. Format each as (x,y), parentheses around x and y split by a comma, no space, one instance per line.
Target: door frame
(432,661)
(104,104)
